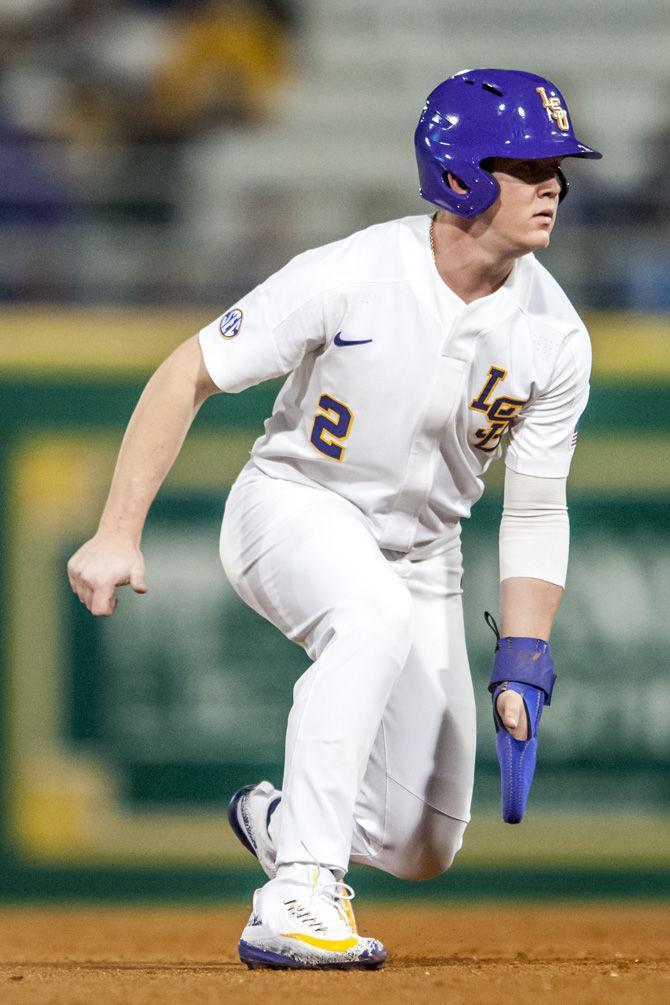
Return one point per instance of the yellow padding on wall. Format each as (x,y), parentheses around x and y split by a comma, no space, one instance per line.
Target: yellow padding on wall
(130,341)
(630,346)
(111,341)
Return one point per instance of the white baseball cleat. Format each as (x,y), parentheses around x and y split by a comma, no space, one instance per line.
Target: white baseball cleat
(303,920)
(249,813)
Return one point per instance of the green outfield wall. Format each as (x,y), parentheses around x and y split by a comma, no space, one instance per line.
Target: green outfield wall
(123,738)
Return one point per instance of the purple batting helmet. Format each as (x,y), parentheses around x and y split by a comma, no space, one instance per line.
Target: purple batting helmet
(489,113)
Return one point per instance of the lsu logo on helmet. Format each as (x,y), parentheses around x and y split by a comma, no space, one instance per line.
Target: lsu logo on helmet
(554,109)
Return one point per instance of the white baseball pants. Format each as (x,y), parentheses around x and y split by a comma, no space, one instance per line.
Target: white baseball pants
(380,742)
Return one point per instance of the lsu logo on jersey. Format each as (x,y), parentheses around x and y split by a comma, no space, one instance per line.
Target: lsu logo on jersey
(499,411)
(554,109)
(230,323)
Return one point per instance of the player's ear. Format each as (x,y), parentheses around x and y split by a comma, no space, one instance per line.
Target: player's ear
(455,183)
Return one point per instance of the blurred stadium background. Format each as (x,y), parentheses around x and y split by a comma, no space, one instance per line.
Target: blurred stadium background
(158,159)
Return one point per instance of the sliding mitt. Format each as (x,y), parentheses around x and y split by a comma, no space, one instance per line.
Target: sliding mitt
(525,666)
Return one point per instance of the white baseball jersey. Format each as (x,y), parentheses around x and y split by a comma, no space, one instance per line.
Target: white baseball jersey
(400,393)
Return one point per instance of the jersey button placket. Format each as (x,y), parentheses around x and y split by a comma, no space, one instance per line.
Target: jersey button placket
(402,524)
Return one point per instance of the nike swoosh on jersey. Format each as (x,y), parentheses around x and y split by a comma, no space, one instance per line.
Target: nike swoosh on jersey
(338,340)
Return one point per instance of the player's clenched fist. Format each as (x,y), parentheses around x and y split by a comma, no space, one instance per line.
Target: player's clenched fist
(102,564)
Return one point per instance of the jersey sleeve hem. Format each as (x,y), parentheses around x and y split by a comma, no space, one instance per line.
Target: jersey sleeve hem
(209,361)
(239,365)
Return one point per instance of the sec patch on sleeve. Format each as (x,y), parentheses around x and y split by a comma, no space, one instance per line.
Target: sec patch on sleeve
(230,323)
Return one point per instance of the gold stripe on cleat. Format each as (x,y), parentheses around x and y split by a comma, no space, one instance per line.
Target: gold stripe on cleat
(329,945)
(348,911)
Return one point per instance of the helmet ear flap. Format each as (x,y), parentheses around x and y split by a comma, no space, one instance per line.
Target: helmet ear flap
(481,189)
(564,183)
(458,180)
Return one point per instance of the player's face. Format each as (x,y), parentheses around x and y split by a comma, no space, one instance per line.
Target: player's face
(525,213)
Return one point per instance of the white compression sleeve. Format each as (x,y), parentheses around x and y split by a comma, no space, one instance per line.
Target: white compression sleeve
(534,530)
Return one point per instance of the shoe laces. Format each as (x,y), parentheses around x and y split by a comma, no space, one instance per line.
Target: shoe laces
(305,916)
(340,895)
(336,894)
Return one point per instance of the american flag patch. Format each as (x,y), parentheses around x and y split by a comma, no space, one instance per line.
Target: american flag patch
(573,440)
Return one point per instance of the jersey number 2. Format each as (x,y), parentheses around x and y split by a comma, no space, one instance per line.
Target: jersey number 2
(331,426)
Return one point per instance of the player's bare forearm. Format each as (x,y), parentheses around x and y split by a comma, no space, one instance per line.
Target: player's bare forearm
(528,607)
(152,441)
(154,437)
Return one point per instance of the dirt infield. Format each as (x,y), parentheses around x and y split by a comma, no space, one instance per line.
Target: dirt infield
(469,955)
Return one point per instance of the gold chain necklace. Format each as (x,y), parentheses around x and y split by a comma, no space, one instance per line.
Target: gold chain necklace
(431,235)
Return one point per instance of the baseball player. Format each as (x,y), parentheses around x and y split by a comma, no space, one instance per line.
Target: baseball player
(414,349)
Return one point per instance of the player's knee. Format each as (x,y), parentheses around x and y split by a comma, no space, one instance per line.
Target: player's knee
(427,866)
(440,859)
(429,858)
